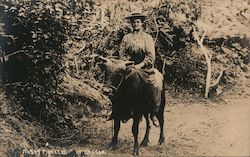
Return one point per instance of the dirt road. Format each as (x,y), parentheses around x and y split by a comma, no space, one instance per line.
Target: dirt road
(192,128)
(197,129)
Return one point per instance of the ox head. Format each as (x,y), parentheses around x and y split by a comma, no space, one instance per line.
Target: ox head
(115,70)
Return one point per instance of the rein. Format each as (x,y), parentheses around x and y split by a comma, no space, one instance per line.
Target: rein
(115,88)
(118,86)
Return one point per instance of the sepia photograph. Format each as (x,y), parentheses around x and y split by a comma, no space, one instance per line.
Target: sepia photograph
(124,78)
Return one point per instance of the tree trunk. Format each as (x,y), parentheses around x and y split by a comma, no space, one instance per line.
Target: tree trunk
(208,57)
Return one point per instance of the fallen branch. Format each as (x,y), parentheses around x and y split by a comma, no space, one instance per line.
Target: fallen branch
(8,36)
(76,64)
(218,79)
(163,67)
(82,49)
(6,57)
(157,30)
(10,84)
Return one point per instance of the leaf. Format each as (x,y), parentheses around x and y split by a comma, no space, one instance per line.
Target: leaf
(6,6)
(34,35)
(22,14)
(46,36)
(33,11)
(13,8)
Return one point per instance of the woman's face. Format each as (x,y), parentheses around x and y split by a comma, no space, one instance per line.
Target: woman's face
(136,24)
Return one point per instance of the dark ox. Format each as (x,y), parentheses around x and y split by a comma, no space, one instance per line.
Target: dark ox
(130,103)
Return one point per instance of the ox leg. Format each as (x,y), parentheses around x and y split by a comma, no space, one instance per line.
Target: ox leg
(145,140)
(161,121)
(117,125)
(135,131)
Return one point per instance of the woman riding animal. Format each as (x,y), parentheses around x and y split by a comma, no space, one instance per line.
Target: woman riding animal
(138,47)
(141,91)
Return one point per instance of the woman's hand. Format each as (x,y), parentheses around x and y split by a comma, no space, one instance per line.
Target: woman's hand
(124,65)
(139,66)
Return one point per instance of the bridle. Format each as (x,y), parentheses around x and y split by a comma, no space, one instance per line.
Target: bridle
(115,88)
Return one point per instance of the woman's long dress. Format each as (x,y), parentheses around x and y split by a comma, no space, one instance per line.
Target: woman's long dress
(141,90)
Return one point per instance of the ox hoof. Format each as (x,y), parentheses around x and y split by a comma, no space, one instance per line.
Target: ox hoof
(136,152)
(112,146)
(161,141)
(144,143)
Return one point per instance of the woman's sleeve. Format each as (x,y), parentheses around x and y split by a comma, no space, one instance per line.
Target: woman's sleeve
(150,51)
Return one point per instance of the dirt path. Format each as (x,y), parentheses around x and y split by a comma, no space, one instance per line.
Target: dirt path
(197,129)
(206,128)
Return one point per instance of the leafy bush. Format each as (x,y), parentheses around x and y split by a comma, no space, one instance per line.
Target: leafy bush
(34,56)
(37,38)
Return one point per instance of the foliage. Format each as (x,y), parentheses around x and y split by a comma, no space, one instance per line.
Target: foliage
(36,41)
(33,57)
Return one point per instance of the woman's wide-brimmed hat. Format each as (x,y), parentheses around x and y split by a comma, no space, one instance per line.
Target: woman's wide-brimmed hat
(136,16)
